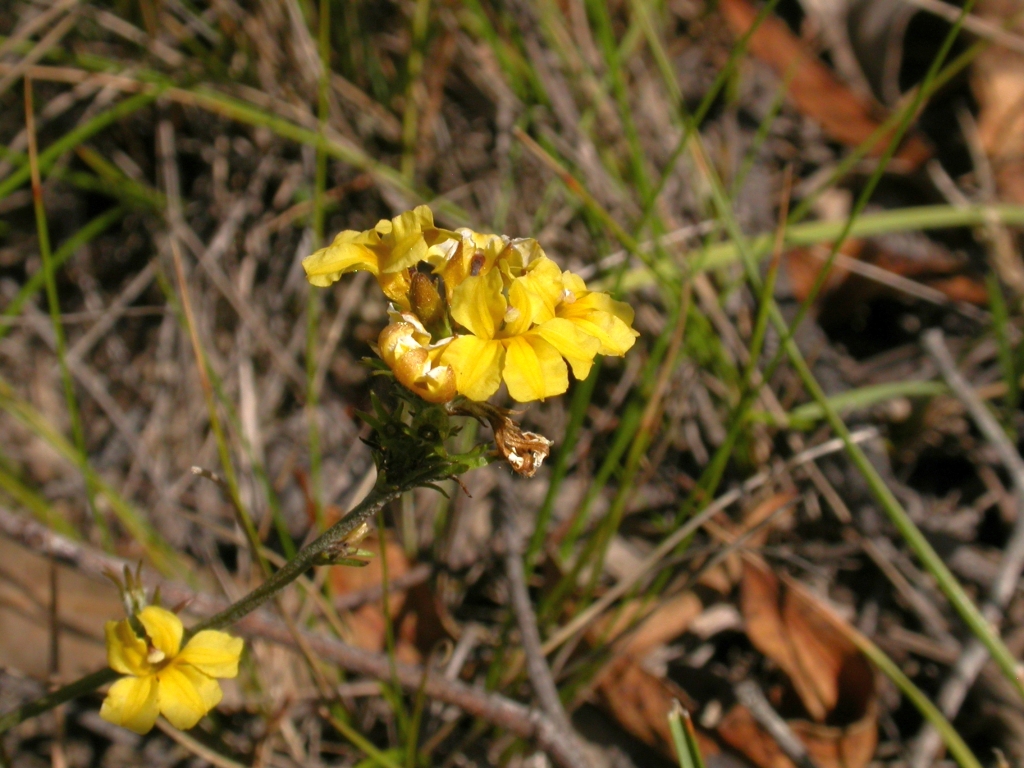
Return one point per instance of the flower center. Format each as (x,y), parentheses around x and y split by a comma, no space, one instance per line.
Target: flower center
(155,656)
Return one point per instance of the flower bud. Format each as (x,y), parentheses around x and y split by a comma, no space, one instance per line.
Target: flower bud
(414,365)
(426,301)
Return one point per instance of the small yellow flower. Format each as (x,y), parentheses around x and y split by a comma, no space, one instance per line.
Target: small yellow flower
(504,343)
(597,314)
(386,251)
(161,677)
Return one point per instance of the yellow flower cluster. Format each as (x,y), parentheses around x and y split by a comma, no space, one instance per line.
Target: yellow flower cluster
(161,677)
(471,310)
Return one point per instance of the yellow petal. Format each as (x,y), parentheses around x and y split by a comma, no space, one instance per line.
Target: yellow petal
(574,283)
(533,369)
(524,251)
(450,265)
(477,364)
(572,343)
(406,241)
(475,254)
(164,629)
(519,316)
(438,386)
(396,339)
(417,367)
(603,318)
(349,252)
(131,703)
(605,303)
(396,286)
(543,281)
(213,653)
(434,383)
(439,241)
(478,304)
(186,694)
(126,651)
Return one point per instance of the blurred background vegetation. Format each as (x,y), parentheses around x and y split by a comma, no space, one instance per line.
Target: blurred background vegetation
(780,509)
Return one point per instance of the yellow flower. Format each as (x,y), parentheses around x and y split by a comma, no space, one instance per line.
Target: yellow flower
(405,346)
(494,309)
(597,314)
(163,678)
(386,251)
(504,343)
(476,254)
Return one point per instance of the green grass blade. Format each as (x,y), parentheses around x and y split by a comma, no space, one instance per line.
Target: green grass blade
(1001,326)
(683,738)
(954,743)
(50,281)
(67,249)
(163,557)
(73,138)
(805,416)
(917,218)
(883,495)
(38,506)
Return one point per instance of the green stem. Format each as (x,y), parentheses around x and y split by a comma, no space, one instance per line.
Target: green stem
(306,558)
(73,690)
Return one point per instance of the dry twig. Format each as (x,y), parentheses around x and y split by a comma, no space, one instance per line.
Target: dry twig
(752,697)
(536,665)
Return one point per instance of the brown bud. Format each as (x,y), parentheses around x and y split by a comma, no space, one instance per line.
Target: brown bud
(412,364)
(425,300)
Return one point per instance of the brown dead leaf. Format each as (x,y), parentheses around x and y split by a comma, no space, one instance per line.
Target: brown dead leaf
(851,746)
(367,622)
(639,700)
(828,746)
(844,115)
(759,514)
(739,729)
(665,622)
(961,288)
(832,679)
(792,631)
(641,703)
(720,578)
(998,83)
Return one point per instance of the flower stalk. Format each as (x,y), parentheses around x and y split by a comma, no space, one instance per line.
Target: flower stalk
(333,540)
